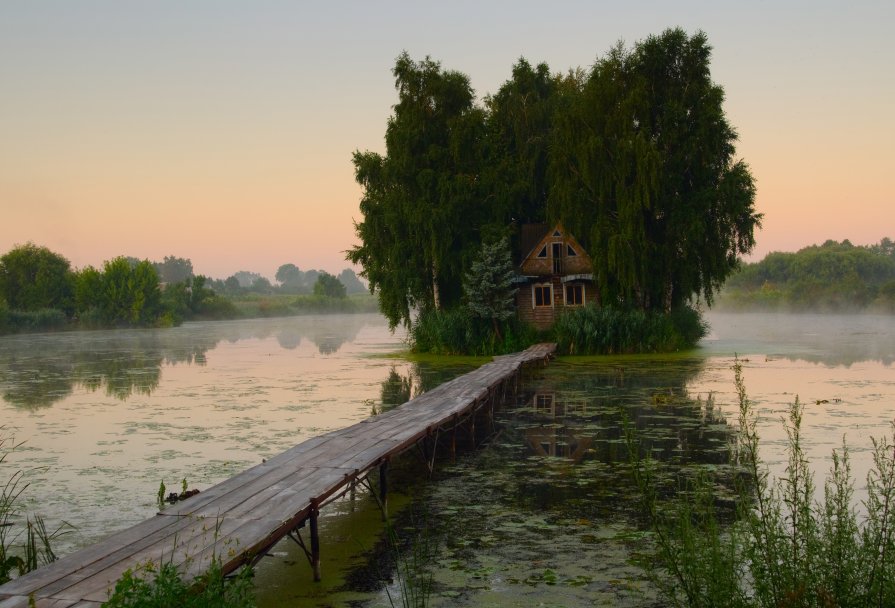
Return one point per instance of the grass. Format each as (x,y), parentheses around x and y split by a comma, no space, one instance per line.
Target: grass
(780,547)
(23,547)
(162,586)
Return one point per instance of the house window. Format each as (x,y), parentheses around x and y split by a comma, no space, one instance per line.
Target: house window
(574,295)
(542,295)
(557,258)
(543,252)
(570,252)
(544,403)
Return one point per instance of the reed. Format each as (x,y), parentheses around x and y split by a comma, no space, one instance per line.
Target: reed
(783,547)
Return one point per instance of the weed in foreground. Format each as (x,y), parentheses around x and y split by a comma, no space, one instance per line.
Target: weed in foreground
(22,548)
(783,549)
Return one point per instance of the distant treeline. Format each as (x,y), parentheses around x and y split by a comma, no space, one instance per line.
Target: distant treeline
(833,277)
(40,291)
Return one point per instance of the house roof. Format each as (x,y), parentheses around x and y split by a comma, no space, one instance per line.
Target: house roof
(529,237)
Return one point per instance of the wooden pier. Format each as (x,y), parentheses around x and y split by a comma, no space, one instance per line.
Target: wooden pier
(239,520)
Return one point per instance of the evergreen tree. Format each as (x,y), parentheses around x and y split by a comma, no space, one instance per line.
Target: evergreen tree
(488,286)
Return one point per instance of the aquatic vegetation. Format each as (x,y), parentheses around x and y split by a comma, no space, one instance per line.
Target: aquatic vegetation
(20,555)
(783,547)
(592,330)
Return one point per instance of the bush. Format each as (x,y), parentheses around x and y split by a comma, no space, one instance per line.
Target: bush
(591,330)
(456,332)
(45,319)
(163,587)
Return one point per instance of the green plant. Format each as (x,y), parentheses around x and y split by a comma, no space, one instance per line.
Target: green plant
(162,586)
(21,550)
(413,559)
(783,548)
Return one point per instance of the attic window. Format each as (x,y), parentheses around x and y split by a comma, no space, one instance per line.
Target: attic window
(543,252)
(556,233)
(569,251)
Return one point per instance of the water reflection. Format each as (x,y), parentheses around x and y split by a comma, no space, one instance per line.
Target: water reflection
(37,371)
(835,340)
(546,513)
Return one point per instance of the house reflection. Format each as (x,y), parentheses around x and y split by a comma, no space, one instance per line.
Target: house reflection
(557,437)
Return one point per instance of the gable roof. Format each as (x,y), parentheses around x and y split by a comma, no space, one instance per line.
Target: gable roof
(530,237)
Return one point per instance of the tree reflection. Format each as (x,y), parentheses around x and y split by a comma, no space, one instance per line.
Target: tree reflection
(40,370)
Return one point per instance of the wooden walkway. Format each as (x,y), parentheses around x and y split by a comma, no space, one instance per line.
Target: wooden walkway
(240,519)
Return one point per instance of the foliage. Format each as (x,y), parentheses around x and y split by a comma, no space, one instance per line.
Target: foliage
(329,286)
(635,157)
(592,330)
(488,286)
(173,269)
(191,299)
(421,199)
(21,554)
(645,174)
(44,319)
(129,294)
(834,276)
(457,332)
(352,284)
(34,278)
(163,587)
(783,548)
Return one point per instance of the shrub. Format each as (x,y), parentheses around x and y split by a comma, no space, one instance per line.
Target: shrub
(44,319)
(456,332)
(163,587)
(606,330)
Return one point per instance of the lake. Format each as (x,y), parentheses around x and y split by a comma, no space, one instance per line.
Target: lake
(540,513)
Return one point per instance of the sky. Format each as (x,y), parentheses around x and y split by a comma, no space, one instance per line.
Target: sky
(222,131)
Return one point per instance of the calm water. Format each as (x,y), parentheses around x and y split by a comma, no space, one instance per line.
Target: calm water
(541,514)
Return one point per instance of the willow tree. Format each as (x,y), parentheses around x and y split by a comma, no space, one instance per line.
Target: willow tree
(421,198)
(645,173)
(520,117)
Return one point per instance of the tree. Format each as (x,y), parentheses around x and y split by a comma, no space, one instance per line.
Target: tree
(488,286)
(421,199)
(329,286)
(246,279)
(290,277)
(351,282)
(649,179)
(33,277)
(129,294)
(174,269)
(520,121)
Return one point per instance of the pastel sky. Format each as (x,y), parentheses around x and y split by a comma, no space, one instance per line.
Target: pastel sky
(222,131)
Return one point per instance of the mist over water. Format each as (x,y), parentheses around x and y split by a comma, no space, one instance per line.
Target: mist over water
(107,415)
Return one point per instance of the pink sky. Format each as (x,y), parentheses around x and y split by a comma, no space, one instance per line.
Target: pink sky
(223,131)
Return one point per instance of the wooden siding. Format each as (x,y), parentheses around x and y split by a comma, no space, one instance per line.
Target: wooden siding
(543,317)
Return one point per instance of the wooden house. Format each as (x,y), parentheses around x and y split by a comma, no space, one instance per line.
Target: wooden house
(554,273)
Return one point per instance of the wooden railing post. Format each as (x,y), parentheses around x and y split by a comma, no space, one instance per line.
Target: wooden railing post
(383,488)
(315,543)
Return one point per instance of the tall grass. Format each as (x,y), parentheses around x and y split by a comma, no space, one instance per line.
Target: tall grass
(23,546)
(456,332)
(783,548)
(604,330)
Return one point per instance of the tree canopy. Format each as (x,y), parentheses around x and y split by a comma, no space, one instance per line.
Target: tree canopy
(34,278)
(635,157)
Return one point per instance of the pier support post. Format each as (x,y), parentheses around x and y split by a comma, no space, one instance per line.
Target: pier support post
(315,544)
(383,489)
